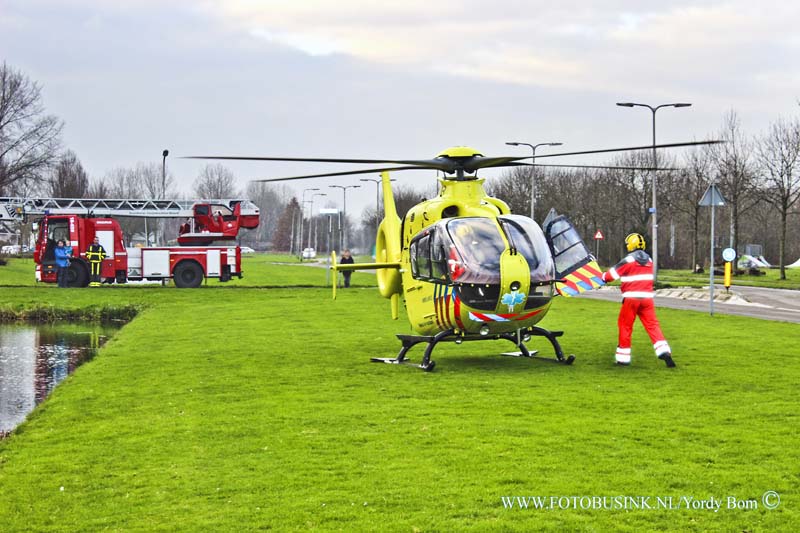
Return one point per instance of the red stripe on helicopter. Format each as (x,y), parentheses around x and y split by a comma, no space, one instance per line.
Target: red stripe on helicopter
(528,315)
(442,310)
(447,304)
(457,309)
(436,305)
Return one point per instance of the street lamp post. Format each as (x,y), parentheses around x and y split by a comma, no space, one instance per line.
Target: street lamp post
(302,211)
(533,148)
(342,232)
(654,213)
(164,155)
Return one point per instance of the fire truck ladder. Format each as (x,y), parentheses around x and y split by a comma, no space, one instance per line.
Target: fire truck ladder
(16,209)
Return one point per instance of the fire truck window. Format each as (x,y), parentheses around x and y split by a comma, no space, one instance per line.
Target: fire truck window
(223,211)
(201,210)
(58,230)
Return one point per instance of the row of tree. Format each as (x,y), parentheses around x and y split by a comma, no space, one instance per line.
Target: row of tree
(758,176)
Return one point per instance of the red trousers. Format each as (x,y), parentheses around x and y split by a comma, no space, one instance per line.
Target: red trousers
(645,309)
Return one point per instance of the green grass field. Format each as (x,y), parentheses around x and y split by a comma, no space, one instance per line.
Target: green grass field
(237,408)
(770,279)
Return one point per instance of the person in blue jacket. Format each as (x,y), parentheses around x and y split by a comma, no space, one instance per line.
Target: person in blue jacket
(63,253)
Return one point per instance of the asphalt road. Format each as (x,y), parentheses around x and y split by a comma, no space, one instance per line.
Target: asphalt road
(769,304)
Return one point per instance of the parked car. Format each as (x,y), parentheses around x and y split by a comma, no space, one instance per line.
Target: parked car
(11,249)
(247,250)
(309,253)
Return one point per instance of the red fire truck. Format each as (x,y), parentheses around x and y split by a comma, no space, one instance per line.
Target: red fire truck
(78,221)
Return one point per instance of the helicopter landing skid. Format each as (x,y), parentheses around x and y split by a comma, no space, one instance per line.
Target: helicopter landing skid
(551,336)
(409,341)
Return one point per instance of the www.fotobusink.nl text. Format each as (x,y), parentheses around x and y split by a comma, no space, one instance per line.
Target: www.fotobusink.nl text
(768,500)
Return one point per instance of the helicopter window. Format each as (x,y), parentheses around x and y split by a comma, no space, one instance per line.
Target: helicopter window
(412,254)
(428,254)
(423,257)
(568,247)
(438,259)
(529,240)
(477,247)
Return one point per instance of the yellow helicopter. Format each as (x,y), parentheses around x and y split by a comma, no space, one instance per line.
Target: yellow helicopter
(467,268)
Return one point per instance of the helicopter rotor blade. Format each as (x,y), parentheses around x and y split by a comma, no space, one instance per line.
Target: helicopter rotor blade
(609,167)
(346,173)
(439,164)
(477,163)
(650,147)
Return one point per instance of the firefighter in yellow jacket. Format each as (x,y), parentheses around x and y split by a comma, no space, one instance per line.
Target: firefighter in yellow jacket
(95,255)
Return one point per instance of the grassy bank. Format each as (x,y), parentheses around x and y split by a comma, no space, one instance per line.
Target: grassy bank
(233,409)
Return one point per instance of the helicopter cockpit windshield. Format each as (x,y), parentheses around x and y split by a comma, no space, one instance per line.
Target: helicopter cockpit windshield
(475,250)
(528,239)
(467,250)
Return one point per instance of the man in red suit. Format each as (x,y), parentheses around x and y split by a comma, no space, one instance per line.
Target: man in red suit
(635,272)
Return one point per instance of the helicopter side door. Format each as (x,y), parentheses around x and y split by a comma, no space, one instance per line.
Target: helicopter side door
(575,264)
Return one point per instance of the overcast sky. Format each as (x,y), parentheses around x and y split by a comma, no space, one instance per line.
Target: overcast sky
(354,78)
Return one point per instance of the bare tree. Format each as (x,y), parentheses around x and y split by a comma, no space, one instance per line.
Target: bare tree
(406,197)
(778,157)
(287,226)
(734,172)
(689,186)
(215,181)
(271,200)
(514,187)
(98,189)
(68,179)
(155,184)
(124,183)
(29,139)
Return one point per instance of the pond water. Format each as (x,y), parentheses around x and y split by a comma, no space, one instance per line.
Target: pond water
(35,358)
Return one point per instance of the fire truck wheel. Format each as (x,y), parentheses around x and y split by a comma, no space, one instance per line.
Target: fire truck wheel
(188,274)
(77,274)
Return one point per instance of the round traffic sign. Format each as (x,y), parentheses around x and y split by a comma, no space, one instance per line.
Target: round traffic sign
(729,254)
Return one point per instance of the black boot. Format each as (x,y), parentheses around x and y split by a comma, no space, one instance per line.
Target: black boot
(667,358)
